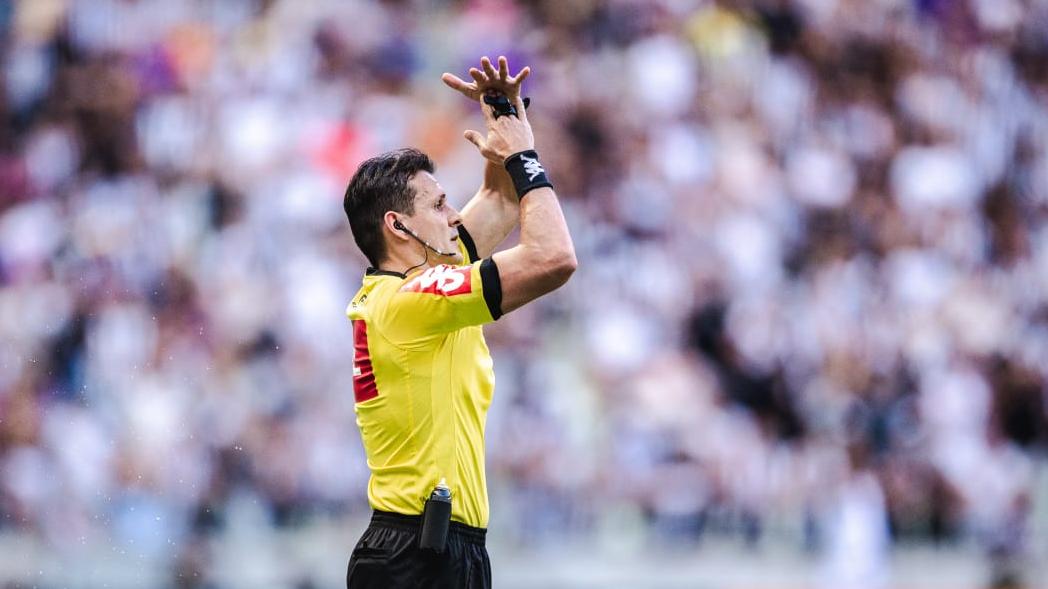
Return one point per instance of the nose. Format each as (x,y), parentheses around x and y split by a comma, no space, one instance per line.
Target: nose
(453,217)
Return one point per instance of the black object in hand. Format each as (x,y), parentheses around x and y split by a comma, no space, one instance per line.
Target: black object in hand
(501,106)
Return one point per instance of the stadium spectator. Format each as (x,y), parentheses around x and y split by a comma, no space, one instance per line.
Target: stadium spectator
(806,226)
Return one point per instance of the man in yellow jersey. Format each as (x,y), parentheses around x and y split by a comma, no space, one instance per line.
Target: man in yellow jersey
(422,374)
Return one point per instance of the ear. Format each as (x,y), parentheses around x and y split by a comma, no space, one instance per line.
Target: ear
(393,225)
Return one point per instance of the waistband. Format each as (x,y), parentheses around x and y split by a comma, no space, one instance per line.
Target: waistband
(413,523)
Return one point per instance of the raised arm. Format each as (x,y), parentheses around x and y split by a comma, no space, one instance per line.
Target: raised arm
(545,257)
(493,211)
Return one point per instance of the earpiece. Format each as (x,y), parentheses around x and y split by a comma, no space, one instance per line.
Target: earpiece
(400,226)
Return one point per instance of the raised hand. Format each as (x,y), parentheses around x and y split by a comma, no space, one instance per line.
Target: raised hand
(490,80)
(506,134)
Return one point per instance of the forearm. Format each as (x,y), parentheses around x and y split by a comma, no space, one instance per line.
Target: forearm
(497,183)
(493,211)
(545,257)
(544,231)
(500,197)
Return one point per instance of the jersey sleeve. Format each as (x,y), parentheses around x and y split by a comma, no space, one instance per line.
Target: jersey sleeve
(443,299)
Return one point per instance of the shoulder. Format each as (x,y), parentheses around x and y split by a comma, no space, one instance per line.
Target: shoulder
(355,308)
(373,296)
(441,280)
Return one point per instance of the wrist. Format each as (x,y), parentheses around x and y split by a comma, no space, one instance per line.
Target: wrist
(496,177)
(526,172)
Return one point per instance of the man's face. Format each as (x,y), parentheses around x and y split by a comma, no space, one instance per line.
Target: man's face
(434,220)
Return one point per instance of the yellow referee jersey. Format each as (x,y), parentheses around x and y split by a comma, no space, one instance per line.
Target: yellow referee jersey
(423,381)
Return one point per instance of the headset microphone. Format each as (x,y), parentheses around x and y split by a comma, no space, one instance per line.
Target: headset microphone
(398,225)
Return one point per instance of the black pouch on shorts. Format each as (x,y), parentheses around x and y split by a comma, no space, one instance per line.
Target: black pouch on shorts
(436,519)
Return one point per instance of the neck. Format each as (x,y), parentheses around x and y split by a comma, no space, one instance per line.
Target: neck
(408,260)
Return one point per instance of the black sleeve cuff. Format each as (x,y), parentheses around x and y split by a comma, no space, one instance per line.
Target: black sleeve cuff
(489,274)
(467,240)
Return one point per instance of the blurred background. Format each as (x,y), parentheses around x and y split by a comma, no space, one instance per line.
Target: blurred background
(806,346)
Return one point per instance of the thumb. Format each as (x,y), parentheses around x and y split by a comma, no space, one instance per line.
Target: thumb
(476,139)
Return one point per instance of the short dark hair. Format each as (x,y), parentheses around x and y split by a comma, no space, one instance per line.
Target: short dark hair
(380,184)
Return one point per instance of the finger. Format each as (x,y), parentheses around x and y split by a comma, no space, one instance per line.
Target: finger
(503,68)
(456,83)
(476,139)
(517,84)
(487,111)
(521,76)
(518,101)
(522,113)
(488,68)
(479,76)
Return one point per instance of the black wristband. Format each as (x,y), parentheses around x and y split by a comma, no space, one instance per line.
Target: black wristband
(526,171)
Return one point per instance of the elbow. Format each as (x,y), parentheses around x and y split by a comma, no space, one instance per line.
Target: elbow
(568,264)
(563,267)
(547,269)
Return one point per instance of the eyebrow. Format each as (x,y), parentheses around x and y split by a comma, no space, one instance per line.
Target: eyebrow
(443,196)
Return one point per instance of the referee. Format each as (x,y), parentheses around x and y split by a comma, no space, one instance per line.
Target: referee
(422,373)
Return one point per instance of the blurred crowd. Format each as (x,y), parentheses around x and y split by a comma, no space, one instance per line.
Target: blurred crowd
(811,304)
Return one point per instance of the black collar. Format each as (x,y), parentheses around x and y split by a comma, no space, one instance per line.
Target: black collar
(376,272)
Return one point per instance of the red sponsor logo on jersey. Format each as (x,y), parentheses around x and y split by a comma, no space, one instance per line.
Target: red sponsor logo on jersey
(442,279)
(364,386)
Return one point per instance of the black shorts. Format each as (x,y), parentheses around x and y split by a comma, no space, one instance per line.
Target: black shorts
(388,557)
